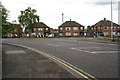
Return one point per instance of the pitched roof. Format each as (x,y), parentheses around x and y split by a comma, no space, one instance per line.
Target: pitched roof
(105,23)
(40,24)
(70,24)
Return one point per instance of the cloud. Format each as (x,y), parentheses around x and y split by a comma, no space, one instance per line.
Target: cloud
(114,4)
(104,3)
(26,3)
(50,11)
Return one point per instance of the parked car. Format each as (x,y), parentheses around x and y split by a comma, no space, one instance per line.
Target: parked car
(51,36)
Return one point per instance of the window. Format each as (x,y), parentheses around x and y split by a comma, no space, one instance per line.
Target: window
(61,34)
(40,29)
(94,28)
(105,27)
(67,28)
(99,27)
(33,34)
(75,28)
(114,27)
(47,29)
(118,33)
(81,33)
(68,33)
(61,28)
(113,33)
(75,33)
(34,29)
(40,33)
(118,27)
(9,35)
(81,28)
(105,33)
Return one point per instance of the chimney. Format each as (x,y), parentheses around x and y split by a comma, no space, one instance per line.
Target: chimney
(104,19)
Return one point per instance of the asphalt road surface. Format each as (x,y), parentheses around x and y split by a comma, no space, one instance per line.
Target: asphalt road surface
(20,62)
(97,59)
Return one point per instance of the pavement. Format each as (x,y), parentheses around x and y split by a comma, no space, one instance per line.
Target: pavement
(95,59)
(20,62)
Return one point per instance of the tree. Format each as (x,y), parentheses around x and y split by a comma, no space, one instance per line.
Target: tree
(88,29)
(5,26)
(27,19)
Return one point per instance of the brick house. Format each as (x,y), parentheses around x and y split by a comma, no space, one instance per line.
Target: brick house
(54,32)
(71,29)
(39,30)
(104,27)
(16,32)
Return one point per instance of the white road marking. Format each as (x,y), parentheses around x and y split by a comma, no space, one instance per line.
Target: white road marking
(83,49)
(15,52)
(98,52)
(58,45)
(53,45)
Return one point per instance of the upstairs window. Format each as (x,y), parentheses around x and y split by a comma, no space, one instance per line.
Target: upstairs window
(99,27)
(47,29)
(81,28)
(67,28)
(105,27)
(114,27)
(118,27)
(34,29)
(40,29)
(75,28)
(61,28)
(94,28)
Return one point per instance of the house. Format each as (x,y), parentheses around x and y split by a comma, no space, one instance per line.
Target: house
(103,27)
(54,32)
(15,32)
(71,29)
(40,29)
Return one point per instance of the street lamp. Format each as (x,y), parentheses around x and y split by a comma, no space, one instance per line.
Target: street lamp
(111,21)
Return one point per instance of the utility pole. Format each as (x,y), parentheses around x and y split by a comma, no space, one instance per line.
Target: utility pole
(62,24)
(111,22)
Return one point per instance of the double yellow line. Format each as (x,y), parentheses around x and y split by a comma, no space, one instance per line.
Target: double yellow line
(64,63)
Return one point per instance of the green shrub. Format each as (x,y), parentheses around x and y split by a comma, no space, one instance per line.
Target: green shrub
(101,34)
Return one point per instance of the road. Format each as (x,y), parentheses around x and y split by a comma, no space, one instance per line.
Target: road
(97,59)
(20,62)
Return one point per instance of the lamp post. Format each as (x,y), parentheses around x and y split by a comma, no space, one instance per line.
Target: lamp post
(119,12)
(111,22)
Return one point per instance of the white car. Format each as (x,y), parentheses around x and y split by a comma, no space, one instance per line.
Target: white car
(51,36)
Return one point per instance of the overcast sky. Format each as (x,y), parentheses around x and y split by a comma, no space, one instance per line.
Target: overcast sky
(85,12)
